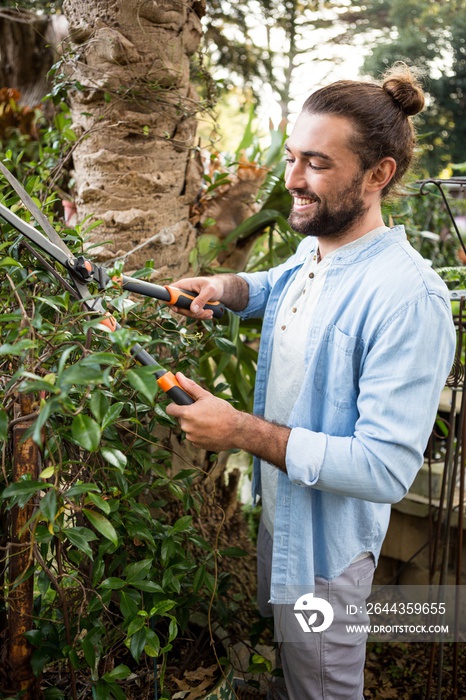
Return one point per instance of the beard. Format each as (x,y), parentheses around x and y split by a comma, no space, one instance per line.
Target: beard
(331,221)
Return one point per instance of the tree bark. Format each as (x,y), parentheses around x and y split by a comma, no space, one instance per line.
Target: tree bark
(20,598)
(134,107)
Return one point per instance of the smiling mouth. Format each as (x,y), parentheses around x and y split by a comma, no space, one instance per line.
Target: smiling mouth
(304,201)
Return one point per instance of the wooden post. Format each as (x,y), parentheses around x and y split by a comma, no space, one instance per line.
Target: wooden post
(26,460)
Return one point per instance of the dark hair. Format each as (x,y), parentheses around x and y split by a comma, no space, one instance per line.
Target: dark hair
(380,113)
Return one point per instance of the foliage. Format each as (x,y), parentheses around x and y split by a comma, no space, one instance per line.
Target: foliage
(427,223)
(115,551)
(35,145)
(268,237)
(431,36)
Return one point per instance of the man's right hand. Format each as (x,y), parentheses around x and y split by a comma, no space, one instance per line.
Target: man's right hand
(206,288)
(230,289)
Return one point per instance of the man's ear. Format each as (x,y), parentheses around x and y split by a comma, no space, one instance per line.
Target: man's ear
(380,175)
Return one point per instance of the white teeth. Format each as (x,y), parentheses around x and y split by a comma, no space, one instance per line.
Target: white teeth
(302,202)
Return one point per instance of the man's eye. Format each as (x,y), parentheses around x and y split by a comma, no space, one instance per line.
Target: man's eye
(315,167)
(288,159)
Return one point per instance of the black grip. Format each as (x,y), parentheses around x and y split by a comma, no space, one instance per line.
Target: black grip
(179,396)
(184,298)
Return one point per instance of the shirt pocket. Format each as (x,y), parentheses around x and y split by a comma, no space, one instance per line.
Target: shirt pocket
(338,367)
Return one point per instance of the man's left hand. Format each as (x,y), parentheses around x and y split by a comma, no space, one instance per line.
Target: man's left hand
(209,423)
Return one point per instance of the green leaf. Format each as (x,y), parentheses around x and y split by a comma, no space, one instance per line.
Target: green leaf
(168,548)
(138,570)
(152,645)
(24,487)
(99,405)
(162,607)
(172,630)
(17,349)
(9,262)
(138,642)
(233,552)
(114,457)
(101,690)
(78,489)
(183,523)
(99,502)
(3,425)
(136,624)
(143,381)
(48,505)
(47,472)
(80,538)
(128,605)
(112,414)
(226,346)
(199,578)
(113,583)
(35,637)
(86,432)
(259,663)
(101,524)
(89,651)
(40,657)
(254,224)
(148,587)
(171,582)
(119,673)
(80,374)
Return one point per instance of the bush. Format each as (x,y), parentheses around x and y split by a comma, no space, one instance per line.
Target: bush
(111,546)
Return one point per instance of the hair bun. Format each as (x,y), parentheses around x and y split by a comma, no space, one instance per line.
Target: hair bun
(404,88)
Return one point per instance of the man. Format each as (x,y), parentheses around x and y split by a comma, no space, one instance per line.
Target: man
(357,341)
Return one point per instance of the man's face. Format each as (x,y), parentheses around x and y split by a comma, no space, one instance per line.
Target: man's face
(324,177)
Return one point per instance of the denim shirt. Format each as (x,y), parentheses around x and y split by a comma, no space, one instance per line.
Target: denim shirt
(380,346)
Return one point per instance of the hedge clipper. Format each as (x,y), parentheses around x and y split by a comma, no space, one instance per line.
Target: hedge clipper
(82,272)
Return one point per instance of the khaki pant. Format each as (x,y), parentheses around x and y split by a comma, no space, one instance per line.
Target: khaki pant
(327,665)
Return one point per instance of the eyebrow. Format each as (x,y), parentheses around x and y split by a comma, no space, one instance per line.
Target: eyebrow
(312,154)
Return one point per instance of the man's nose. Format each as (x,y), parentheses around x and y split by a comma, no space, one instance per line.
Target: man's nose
(295,177)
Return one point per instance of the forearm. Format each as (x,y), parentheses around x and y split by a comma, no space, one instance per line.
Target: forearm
(263,439)
(213,424)
(235,294)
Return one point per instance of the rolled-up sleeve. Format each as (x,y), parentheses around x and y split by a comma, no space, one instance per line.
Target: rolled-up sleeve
(259,290)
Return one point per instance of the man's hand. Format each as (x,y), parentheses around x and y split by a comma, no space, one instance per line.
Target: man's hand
(210,423)
(231,290)
(213,424)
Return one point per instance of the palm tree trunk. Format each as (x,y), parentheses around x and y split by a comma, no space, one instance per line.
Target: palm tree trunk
(134,110)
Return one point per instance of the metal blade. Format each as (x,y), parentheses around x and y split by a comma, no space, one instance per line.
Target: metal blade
(34,210)
(63,256)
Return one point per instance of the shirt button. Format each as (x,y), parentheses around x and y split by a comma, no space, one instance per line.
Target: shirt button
(283,328)
(311,275)
(294,309)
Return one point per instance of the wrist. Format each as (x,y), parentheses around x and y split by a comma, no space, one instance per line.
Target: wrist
(265,440)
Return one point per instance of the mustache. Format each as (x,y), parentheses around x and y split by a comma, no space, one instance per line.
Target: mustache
(304,193)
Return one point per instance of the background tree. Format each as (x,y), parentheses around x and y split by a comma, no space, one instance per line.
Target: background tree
(432,36)
(263,44)
(29,45)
